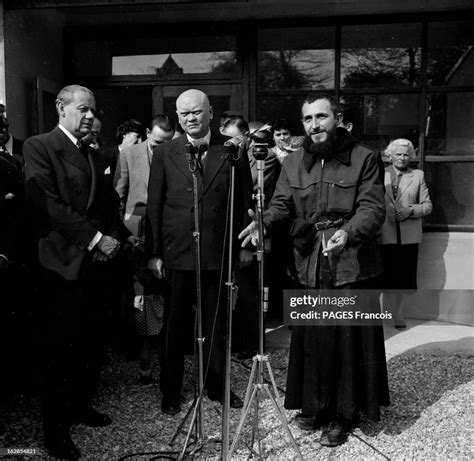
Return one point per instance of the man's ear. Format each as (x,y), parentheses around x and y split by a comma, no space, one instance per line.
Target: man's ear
(211,112)
(339,118)
(60,108)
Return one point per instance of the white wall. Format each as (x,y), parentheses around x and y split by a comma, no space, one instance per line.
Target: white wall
(445,278)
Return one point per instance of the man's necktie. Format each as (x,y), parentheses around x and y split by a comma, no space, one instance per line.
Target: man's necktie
(82,147)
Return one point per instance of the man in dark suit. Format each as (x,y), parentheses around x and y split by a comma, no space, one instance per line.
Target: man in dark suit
(170,242)
(75,215)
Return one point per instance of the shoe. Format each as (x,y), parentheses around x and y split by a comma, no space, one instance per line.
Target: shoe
(235,400)
(335,433)
(308,422)
(92,418)
(170,406)
(61,446)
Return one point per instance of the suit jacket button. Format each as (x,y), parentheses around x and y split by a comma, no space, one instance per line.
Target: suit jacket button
(216,209)
(215,229)
(77,191)
(189,189)
(217,189)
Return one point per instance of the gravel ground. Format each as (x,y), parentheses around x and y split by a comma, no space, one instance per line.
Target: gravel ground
(431,416)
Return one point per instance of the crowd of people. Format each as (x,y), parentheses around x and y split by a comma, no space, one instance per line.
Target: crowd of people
(95,228)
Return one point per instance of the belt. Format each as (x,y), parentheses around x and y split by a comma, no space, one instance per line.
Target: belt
(327,224)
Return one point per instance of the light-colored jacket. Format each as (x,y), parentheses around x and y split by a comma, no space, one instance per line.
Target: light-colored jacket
(412,192)
(132,185)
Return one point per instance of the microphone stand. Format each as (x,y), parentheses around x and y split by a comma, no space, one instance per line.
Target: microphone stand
(256,384)
(232,155)
(193,155)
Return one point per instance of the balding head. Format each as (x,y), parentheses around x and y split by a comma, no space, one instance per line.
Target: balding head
(194,113)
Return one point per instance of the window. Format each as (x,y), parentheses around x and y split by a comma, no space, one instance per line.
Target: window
(381,56)
(296,58)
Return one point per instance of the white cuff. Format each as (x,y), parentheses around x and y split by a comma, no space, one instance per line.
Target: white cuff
(94,241)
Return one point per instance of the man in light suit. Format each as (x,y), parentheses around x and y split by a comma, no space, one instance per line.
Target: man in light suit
(75,214)
(170,242)
(135,162)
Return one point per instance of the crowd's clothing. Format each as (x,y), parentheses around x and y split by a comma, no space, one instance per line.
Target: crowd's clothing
(335,371)
(70,200)
(170,227)
(132,185)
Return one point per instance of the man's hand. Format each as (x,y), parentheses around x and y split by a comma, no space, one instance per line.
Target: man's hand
(100,257)
(108,245)
(245,257)
(158,267)
(337,241)
(250,233)
(135,241)
(9,196)
(403,213)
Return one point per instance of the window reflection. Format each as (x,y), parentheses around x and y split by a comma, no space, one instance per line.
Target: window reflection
(174,64)
(296,58)
(450,53)
(378,119)
(380,55)
(449,124)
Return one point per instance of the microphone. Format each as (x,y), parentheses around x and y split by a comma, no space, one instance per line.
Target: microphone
(237,141)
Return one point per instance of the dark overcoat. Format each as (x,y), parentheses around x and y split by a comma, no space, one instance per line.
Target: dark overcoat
(170,209)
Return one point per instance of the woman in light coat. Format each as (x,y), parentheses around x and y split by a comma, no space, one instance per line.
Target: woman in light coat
(406,201)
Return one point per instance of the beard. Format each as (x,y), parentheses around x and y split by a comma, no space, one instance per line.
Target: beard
(321,149)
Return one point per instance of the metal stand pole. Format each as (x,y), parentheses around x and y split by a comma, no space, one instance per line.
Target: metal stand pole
(232,155)
(256,384)
(196,408)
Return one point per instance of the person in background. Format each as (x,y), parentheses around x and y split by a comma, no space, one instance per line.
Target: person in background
(281,136)
(407,200)
(334,371)
(129,132)
(246,332)
(92,138)
(132,188)
(228,116)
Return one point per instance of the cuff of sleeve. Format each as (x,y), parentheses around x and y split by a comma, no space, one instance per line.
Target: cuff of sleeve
(94,241)
(4,258)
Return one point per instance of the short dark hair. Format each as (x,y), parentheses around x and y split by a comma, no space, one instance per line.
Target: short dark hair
(281,124)
(163,122)
(314,96)
(239,123)
(129,126)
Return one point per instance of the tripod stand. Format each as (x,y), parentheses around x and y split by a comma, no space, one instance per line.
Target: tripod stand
(256,385)
(193,155)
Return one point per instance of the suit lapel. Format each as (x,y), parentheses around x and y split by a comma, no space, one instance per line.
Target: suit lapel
(144,162)
(405,182)
(71,154)
(388,185)
(178,157)
(94,176)
(214,162)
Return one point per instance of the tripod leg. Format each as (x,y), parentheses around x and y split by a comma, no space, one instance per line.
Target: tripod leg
(284,423)
(243,417)
(272,379)
(192,425)
(250,384)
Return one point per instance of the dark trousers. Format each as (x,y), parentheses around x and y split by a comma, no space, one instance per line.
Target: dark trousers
(178,327)
(71,322)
